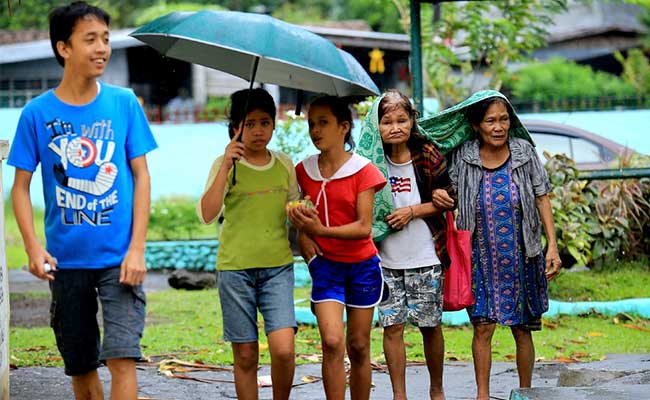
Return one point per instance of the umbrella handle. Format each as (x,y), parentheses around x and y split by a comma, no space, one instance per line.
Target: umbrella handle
(234,172)
(256,62)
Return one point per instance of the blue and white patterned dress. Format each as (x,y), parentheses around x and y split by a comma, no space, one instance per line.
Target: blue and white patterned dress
(508,287)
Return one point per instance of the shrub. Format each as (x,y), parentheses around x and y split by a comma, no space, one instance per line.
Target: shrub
(636,70)
(572,211)
(624,204)
(291,136)
(561,79)
(599,221)
(174,218)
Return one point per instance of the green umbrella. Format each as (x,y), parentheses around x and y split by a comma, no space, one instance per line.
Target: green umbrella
(260,48)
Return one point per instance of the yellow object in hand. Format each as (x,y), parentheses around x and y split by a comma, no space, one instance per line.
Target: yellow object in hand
(297,203)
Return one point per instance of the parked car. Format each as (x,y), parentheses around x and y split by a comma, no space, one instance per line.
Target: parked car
(588,150)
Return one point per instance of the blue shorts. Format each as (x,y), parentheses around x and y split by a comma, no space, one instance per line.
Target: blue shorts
(242,292)
(352,284)
(74,317)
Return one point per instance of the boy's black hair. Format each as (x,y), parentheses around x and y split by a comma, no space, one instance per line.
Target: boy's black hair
(476,112)
(259,99)
(63,20)
(341,110)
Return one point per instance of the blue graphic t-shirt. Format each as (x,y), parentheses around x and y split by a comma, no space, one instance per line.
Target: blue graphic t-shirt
(84,152)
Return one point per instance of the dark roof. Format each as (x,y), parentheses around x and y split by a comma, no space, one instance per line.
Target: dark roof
(8,37)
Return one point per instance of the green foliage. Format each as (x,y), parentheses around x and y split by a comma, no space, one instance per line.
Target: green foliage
(363,107)
(187,325)
(291,136)
(614,281)
(379,14)
(625,205)
(636,70)
(215,109)
(559,78)
(25,14)
(491,35)
(572,213)
(174,218)
(150,13)
(602,222)
(15,251)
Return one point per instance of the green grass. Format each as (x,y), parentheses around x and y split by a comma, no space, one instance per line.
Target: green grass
(16,256)
(629,280)
(187,325)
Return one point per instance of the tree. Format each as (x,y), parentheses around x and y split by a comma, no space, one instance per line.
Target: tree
(636,70)
(480,37)
(16,15)
(150,13)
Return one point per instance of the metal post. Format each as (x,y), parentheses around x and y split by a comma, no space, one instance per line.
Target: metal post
(416,55)
(625,173)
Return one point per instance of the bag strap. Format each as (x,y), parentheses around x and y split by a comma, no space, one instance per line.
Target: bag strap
(451,226)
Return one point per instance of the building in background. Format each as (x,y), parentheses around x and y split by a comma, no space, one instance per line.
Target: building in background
(589,33)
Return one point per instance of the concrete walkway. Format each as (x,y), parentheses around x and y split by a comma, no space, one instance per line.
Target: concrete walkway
(51,383)
(617,377)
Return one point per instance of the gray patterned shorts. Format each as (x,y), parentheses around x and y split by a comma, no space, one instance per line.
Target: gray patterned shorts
(415,295)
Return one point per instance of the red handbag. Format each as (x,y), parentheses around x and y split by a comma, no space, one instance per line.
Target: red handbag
(458,277)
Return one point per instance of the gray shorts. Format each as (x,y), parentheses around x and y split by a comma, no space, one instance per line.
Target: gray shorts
(415,295)
(74,317)
(243,292)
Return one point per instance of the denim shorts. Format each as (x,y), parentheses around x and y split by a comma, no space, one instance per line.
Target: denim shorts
(415,296)
(243,292)
(74,317)
(352,284)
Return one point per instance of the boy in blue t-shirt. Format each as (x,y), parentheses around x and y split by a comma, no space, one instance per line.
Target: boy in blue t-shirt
(91,140)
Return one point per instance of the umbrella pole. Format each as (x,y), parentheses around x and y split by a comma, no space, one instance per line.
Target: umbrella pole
(248,96)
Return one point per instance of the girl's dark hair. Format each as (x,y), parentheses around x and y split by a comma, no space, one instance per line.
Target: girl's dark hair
(476,112)
(259,99)
(392,100)
(63,20)
(341,110)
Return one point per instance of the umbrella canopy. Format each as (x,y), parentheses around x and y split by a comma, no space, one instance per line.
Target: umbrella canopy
(258,47)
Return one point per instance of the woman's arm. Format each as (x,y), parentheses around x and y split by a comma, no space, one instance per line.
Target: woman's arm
(307,221)
(402,216)
(553,262)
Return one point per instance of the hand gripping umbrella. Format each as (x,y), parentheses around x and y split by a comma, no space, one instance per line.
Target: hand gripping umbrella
(260,48)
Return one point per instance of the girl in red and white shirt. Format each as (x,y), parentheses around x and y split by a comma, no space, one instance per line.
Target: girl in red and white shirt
(335,239)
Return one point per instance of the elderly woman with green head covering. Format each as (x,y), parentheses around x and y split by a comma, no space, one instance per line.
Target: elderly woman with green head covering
(503,200)
(412,232)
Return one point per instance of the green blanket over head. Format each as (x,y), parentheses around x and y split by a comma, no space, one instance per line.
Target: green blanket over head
(450,128)
(447,130)
(371,147)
